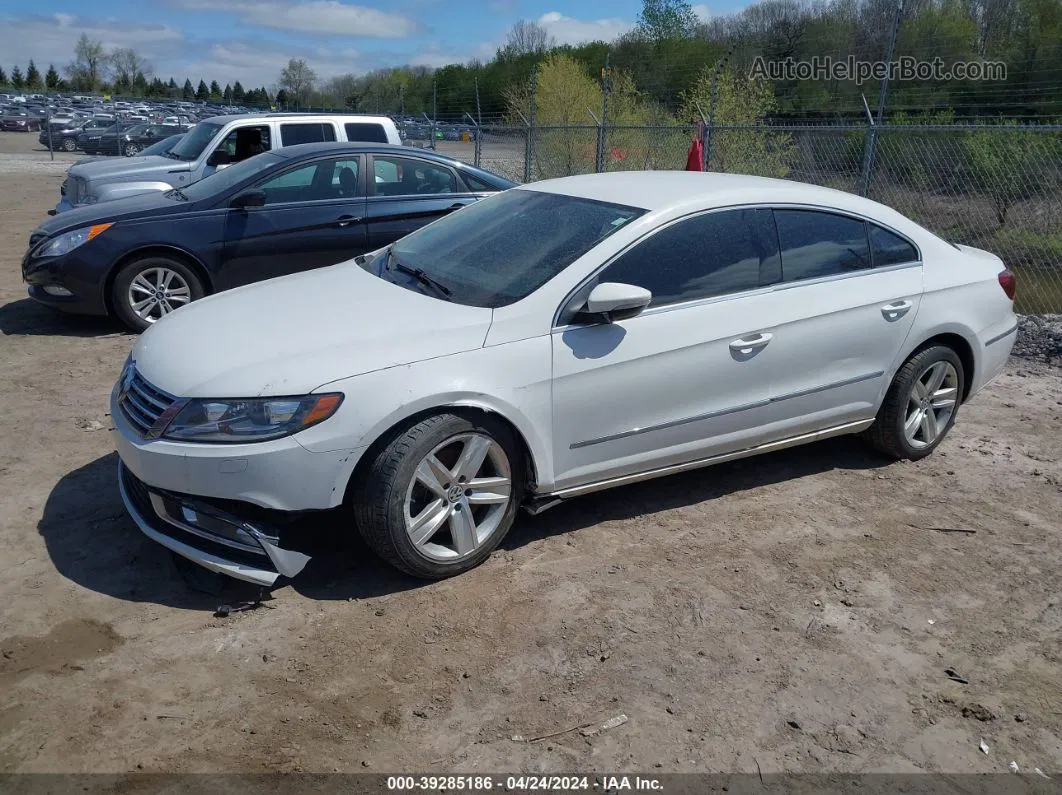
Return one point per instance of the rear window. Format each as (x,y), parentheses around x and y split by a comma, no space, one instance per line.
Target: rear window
(306,133)
(363,131)
(888,248)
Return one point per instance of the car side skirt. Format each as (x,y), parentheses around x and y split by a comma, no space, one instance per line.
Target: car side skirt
(544,501)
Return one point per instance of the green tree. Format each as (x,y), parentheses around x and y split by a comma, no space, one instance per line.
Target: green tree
(187,93)
(140,85)
(297,80)
(17,80)
(202,93)
(86,70)
(1001,163)
(3,77)
(33,77)
(237,92)
(282,97)
(215,90)
(666,19)
(744,101)
(227,95)
(51,78)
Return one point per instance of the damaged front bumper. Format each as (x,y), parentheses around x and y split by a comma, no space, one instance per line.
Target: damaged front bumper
(207,534)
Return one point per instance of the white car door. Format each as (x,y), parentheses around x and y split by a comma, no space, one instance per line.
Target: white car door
(848,299)
(687,378)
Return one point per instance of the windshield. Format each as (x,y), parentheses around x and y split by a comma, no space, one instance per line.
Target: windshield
(195,142)
(505,247)
(162,147)
(225,178)
(136,129)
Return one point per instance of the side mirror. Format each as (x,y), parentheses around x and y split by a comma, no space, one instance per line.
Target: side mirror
(249,198)
(218,158)
(616,301)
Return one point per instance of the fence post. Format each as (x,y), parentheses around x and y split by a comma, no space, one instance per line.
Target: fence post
(48,121)
(434,109)
(475,126)
(868,151)
(713,98)
(601,133)
(529,148)
(479,114)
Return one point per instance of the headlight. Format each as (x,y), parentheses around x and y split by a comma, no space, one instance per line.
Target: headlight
(252,420)
(68,241)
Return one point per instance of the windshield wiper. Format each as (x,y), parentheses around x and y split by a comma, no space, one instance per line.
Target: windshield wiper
(417,274)
(180,194)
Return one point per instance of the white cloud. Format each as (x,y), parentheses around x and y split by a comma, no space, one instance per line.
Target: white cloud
(323,17)
(260,64)
(567,30)
(51,39)
(701,12)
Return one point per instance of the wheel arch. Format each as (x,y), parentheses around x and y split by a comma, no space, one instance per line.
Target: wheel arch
(470,408)
(161,250)
(959,340)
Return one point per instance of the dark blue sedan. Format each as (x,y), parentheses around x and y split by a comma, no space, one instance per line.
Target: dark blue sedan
(279,212)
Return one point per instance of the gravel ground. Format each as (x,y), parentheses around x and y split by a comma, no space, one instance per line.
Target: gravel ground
(1040,338)
(796,612)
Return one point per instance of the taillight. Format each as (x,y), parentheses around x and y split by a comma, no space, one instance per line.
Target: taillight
(1008,282)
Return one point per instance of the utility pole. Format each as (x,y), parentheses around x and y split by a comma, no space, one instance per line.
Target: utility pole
(888,59)
(434,109)
(479,114)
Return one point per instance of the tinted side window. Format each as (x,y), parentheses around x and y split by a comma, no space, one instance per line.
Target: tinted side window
(306,133)
(361,131)
(293,185)
(403,176)
(820,244)
(890,249)
(712,254)
(476,184)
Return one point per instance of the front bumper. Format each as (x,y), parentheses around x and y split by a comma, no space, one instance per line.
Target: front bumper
(86,294)
(207,534)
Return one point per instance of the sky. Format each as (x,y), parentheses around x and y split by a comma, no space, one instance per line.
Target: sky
(251,40)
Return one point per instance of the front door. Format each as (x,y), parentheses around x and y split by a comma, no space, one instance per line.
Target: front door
(405,193)
(314,216)
(687,378)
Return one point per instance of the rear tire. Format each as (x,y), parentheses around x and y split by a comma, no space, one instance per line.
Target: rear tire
(131,150)
(152,287)
(920,406)
(69,145)
(443,493)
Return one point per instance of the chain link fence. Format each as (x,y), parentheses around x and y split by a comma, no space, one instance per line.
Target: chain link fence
(996,187)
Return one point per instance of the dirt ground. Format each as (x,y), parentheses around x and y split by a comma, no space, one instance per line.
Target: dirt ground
(795,612)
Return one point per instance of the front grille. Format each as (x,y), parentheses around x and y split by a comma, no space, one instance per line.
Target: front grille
(143,404)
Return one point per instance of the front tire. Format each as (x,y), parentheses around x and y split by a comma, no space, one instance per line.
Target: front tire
(150,288)
(920,406)
(440,497)
(131,150)
(69,145)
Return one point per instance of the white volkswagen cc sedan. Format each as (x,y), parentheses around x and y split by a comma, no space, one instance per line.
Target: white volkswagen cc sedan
(556,339)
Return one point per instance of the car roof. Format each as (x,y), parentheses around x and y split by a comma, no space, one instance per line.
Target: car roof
(661,190)
(293,116)
(354,147)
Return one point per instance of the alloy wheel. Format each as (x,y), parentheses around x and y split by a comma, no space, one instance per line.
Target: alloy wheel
(931,404)
(458,497)
(155,292)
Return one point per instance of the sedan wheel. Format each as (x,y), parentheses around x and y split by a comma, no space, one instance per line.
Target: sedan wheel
(149,289)
(69,145)
(921,404)
(441,495)
(930,404)
(458,497)
(131,150)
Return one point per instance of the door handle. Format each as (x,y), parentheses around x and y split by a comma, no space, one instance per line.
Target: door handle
(896,310)
(746,345)
(346,220)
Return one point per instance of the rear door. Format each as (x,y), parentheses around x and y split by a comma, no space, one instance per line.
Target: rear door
(405,193)
(850,291)
(314,216)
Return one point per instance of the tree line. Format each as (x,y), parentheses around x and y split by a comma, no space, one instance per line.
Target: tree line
(666,52)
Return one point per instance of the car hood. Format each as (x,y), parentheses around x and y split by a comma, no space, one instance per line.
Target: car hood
(112,211)
(106,171)
(291,335)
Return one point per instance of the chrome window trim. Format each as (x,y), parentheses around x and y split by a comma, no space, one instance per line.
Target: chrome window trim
(722,412)
(743,293)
